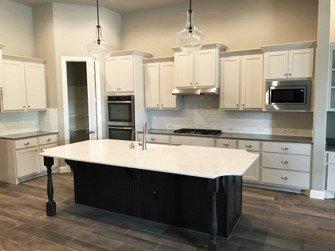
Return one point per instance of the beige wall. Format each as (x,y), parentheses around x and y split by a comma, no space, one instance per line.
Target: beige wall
(16,28)
(239,24)
(45,47)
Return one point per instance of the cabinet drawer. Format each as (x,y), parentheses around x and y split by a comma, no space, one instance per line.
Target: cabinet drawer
(284,177)
(331,178)
(48,139)
(226,143)
(331,158)
(155,138)
(285,147)
(249,145)
(192,141)
(25,143)
(287,161)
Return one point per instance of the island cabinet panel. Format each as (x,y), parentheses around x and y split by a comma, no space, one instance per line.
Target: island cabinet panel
(178,200)
(107,187)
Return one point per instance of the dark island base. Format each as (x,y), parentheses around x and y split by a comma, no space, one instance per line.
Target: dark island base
(177,200)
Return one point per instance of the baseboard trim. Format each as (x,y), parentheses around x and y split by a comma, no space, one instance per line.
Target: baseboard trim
(272,187)
(321,195)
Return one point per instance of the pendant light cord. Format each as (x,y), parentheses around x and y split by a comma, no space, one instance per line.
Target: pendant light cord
(190,11)
(98,23)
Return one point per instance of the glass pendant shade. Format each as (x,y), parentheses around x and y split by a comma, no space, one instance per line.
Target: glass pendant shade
(99,49)
(190,38)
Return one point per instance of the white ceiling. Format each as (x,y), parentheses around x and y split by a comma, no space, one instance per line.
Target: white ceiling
(121,6)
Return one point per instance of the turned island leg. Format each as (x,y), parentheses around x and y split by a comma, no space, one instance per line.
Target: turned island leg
(51,204)
(213,187)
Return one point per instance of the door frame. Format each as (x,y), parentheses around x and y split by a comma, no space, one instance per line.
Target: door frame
(91,87)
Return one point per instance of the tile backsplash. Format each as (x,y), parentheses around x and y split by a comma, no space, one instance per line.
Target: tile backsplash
(203,112)
(21,122)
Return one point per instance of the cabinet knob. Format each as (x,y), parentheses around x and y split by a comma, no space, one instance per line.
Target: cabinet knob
(162,105)
(157,105)
(225,144)
(248,146)
(284,148)
(26,144)
(48,140)
(284,178)
(152,138)
(243,105)
(285,162)
(237,105)
(290,74)
(191,83)
(286,74)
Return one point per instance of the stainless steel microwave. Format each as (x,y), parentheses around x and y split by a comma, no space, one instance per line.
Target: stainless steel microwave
(288,95)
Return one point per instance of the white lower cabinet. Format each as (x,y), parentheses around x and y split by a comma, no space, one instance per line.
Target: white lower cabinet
(286,178)
(192,141)
(154,138)
(331,171)
(20,159)
(226,143)
(252,174)
(27,162)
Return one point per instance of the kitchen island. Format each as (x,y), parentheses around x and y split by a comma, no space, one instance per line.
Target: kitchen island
(198,188)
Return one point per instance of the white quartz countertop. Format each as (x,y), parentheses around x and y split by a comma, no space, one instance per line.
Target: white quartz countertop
(204,162)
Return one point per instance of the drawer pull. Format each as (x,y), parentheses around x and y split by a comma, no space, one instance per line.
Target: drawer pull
(248,146)
(225,144)
(285,162)
(27,144)
(284,178)
(48,140)
(284,148)
(153,138)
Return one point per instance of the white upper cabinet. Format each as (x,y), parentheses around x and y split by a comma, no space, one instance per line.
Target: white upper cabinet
(152,91)
(14,89)
(159,83)
(301,63)
(35,86)
(289,64)
(119,72)
(230,83)
(276,65)
(198,69)
(252,81)
(184,69)
(242,82)
(166,85)
(24,86)
(206,62)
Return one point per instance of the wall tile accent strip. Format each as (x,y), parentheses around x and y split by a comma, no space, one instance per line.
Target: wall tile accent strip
(203,112)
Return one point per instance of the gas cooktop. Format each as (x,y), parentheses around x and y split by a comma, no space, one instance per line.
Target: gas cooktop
(190,131)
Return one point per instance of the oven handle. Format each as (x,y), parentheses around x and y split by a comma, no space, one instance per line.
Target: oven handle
(119,102)
(121,127)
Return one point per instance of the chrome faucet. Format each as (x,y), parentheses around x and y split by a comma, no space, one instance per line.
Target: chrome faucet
(132,138)
(144,136)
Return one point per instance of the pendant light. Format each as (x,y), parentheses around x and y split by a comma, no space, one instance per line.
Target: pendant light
(190,38)
(98,49)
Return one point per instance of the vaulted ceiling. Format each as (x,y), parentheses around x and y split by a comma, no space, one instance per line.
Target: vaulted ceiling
(121,6)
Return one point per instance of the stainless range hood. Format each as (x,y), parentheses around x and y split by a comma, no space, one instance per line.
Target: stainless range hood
(196,91)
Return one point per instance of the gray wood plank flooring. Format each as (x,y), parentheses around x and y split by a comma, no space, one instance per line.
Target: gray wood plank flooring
(271,220)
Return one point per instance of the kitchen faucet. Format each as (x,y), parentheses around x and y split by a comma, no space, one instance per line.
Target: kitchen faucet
(145,131)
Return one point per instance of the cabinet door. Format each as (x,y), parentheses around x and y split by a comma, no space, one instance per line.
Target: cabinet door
(331,177)
(1,73)
(14,89)
(252,81)
(126,73)
(252,173)
(27,162)
(206,63)
(152,85)
(230,83)
(167,100)
(276,65)
(41,159)
(301,63)
(35,85)
(184,69)
(111,75)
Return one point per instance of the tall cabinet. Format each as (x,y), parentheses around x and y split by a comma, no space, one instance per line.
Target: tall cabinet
(159,82)
(24,84)
(242,80)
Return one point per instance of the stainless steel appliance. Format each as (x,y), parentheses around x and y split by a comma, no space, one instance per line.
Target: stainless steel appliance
(196,91)
(121,117)
(189,131)
(288,95)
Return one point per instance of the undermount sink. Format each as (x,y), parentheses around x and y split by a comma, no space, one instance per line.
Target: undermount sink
(149,146)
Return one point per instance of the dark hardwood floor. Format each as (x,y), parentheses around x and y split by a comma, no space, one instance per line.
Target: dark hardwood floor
(271,221)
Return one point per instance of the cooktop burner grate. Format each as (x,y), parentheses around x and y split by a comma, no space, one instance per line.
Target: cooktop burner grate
(197,131)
